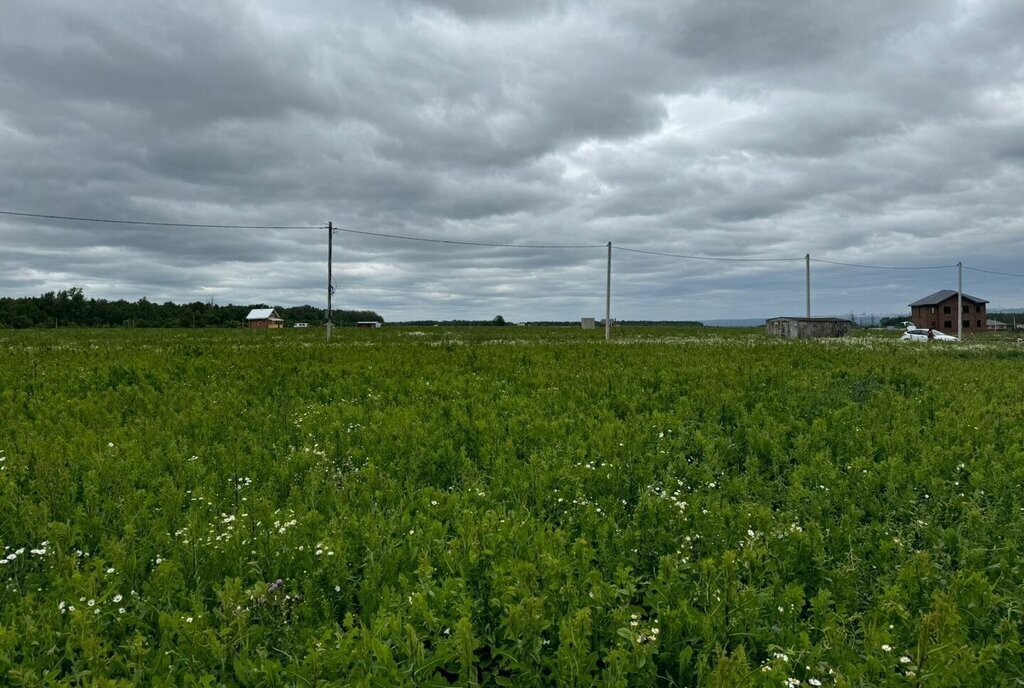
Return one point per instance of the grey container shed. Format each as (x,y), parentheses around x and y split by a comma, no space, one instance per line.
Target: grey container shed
(807,328)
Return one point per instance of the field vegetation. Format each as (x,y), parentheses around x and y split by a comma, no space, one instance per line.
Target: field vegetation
(508,506)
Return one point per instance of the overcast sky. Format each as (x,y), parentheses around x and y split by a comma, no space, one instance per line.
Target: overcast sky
(865,131)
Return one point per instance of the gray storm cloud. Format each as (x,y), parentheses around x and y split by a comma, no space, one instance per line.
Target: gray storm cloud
(872,132)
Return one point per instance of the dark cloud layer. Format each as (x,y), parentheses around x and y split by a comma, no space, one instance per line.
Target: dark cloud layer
(876,132)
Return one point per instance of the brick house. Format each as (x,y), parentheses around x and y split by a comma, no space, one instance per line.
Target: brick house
(938,311)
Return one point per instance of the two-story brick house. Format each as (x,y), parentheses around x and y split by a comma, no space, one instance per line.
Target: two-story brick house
(938,311)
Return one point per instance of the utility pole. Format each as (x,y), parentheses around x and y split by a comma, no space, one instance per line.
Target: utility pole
(608,298)
(960,301)
(330,277)
(807,262)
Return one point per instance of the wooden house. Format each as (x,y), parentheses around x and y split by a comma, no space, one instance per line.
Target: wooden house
(264,319)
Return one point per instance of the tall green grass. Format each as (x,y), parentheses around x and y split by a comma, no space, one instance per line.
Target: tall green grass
(508,506)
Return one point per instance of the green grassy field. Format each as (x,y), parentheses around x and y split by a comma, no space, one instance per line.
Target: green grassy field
(508,506)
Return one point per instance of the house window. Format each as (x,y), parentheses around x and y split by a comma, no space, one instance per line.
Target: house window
(967,309)
(979,323)
(948,324)
(967,324)
(947,309)
(933,310)
(978,308)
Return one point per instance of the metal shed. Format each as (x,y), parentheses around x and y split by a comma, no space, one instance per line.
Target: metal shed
(807,328)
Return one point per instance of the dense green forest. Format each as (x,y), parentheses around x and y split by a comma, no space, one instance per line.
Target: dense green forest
(71,308)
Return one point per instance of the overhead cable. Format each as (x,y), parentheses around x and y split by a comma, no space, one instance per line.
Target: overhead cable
(717,258)
(339,229)
(404,237)
(461,242)
(883,267)
(994,272)
(155,224)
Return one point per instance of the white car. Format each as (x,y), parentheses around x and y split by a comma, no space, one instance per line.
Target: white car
(916,334)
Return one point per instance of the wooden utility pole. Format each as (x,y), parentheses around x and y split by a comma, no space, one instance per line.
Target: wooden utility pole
(960,301)
(608,298)
(807,261)
(330,276)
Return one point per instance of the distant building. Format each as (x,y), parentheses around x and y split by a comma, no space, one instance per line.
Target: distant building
(938,311)
(368,324)
(995,325)
(587,323)
(301,325)
(263,319)
(807,328)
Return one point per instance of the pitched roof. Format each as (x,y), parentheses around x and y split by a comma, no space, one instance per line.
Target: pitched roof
(263,314)
(943,294)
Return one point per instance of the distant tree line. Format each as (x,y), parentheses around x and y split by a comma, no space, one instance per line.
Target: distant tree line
(70,308)
(599,322)
(1009,317)
(496,321)
(499,321)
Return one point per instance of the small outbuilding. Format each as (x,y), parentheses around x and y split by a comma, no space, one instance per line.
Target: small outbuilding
(995,325)
(369,324)
(264,319)
(807,328)
(587,323)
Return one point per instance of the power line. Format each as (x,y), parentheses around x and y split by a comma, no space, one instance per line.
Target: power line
(883,267)
(460,242)
(994,272)
(716,258)
(348,230)
(404,237)
(155,224)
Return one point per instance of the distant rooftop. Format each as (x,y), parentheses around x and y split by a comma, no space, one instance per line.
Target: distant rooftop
(262,314)
(943,294)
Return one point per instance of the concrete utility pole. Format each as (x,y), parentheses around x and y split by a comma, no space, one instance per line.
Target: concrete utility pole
(960,300)
(330,277)
(608,298)
(807,261)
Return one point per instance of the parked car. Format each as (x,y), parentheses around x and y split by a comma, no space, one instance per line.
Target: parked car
(917,334)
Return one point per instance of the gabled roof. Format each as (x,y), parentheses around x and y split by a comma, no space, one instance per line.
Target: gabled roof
(943,294)
(263,314)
